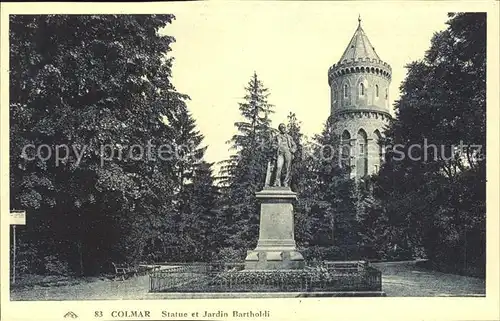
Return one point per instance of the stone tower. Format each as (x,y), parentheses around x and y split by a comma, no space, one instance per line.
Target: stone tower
(359,85)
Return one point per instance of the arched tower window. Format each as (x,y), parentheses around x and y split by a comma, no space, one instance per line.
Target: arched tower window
(346,149)
(376,91)
(386,94)
(361,89)
(362,154)
(346,90)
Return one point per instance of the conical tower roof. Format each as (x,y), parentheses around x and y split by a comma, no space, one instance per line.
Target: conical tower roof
(359,47)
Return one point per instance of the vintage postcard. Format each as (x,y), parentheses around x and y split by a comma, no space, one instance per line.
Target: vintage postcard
(233,160)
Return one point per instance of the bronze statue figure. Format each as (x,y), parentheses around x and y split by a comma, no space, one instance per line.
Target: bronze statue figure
(285,147)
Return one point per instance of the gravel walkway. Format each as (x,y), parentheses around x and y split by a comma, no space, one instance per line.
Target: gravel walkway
(405,279)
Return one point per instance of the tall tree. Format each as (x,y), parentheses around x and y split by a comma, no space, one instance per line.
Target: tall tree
(100,86)
(442,110)
(243,174)
(301,177)
(326,200)
(208,230)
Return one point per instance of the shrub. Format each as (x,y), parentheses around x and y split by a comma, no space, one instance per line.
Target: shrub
(323,253)
(27,259)
(53,266)
(229,254)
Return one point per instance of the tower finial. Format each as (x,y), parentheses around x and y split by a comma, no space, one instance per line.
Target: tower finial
(359,20)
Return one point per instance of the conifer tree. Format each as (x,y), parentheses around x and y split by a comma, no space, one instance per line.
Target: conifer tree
(243,174)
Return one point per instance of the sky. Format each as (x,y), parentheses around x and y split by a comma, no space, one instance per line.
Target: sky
(290,45)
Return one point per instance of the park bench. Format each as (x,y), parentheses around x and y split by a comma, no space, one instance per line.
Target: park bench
(123,271)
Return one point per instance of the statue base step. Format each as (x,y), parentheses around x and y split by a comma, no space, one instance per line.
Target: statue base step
(260,259)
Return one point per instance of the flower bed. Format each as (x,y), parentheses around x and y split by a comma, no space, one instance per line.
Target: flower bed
(310,279)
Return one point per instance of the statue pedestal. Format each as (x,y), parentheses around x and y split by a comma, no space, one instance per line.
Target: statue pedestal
(276,249)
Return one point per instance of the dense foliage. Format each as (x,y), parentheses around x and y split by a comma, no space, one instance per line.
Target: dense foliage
(326,205)
(97,90)
(434,205)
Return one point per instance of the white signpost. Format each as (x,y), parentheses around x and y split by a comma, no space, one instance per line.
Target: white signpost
(16,218)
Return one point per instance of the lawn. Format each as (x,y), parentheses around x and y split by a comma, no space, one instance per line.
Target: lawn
(398,279)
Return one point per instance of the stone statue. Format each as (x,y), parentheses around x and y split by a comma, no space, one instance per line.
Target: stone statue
(285,148)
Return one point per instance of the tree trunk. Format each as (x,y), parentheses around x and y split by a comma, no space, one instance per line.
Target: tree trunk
(80,256)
